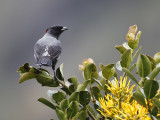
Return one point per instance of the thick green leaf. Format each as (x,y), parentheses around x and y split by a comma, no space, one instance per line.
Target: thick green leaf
(47,103)
(154,111)
(156,102)
(73,109)
(84,98)
(74,97)
(157,58)
(61,115)
(130,75)
(150,88)
(58,97)
(143,65)
(153,63)
(120,48)
(64,104)
(82,87)
(65,89)
(154,73)
(83,114)
(126,58)
(59,72)
(133,43)
(23,69)
(96,93)
(90,71)
(46,79)
(139,98)
(72,88)
(26,76)
(74,81)
(108,71)
(76,116)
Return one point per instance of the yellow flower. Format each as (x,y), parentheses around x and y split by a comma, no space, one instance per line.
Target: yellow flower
(117,105)
(121,89)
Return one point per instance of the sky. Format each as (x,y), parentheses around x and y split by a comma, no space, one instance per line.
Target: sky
(95,27)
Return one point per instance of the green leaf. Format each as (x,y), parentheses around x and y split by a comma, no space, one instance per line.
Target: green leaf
(82,87)
(157,96)
(23,69)
(154,111)
(91,110)
(96,93)
(64,104)
(76,116)
(101,66)
(84,98)
(73,80)
(83,114)
(139,98)
(130,75)
(90,71)
(132,67)
(157,57)
(133,43)
(154,73)
(120,48)
(66,90)
(156,102)
(59,72)
(61,115)
(143,65)
(153,63)
(126,58)
(108,71)
(47,103)
(97,108)
(58,97)
(45,79)
(73,109)
(26,76)
(150,88)
(137,52)
(74,97)
(99,84)
(72,88)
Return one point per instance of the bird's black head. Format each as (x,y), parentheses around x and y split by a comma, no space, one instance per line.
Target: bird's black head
(56,31)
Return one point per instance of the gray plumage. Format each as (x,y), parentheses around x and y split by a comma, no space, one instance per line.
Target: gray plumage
(48,49)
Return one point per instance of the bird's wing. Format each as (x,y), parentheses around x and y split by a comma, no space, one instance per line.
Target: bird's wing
(39,50)
(54,52)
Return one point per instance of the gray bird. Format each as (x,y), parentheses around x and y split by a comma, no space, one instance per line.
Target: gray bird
(48,49)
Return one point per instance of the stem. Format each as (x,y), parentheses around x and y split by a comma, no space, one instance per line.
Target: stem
(90,114)
(94,101)
(123,76)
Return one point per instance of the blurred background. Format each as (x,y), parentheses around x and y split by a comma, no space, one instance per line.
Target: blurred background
(95,27)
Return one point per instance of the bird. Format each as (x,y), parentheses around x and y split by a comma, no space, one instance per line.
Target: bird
(47,49)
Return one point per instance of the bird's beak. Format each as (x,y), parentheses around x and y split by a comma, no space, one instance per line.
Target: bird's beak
(64,28)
